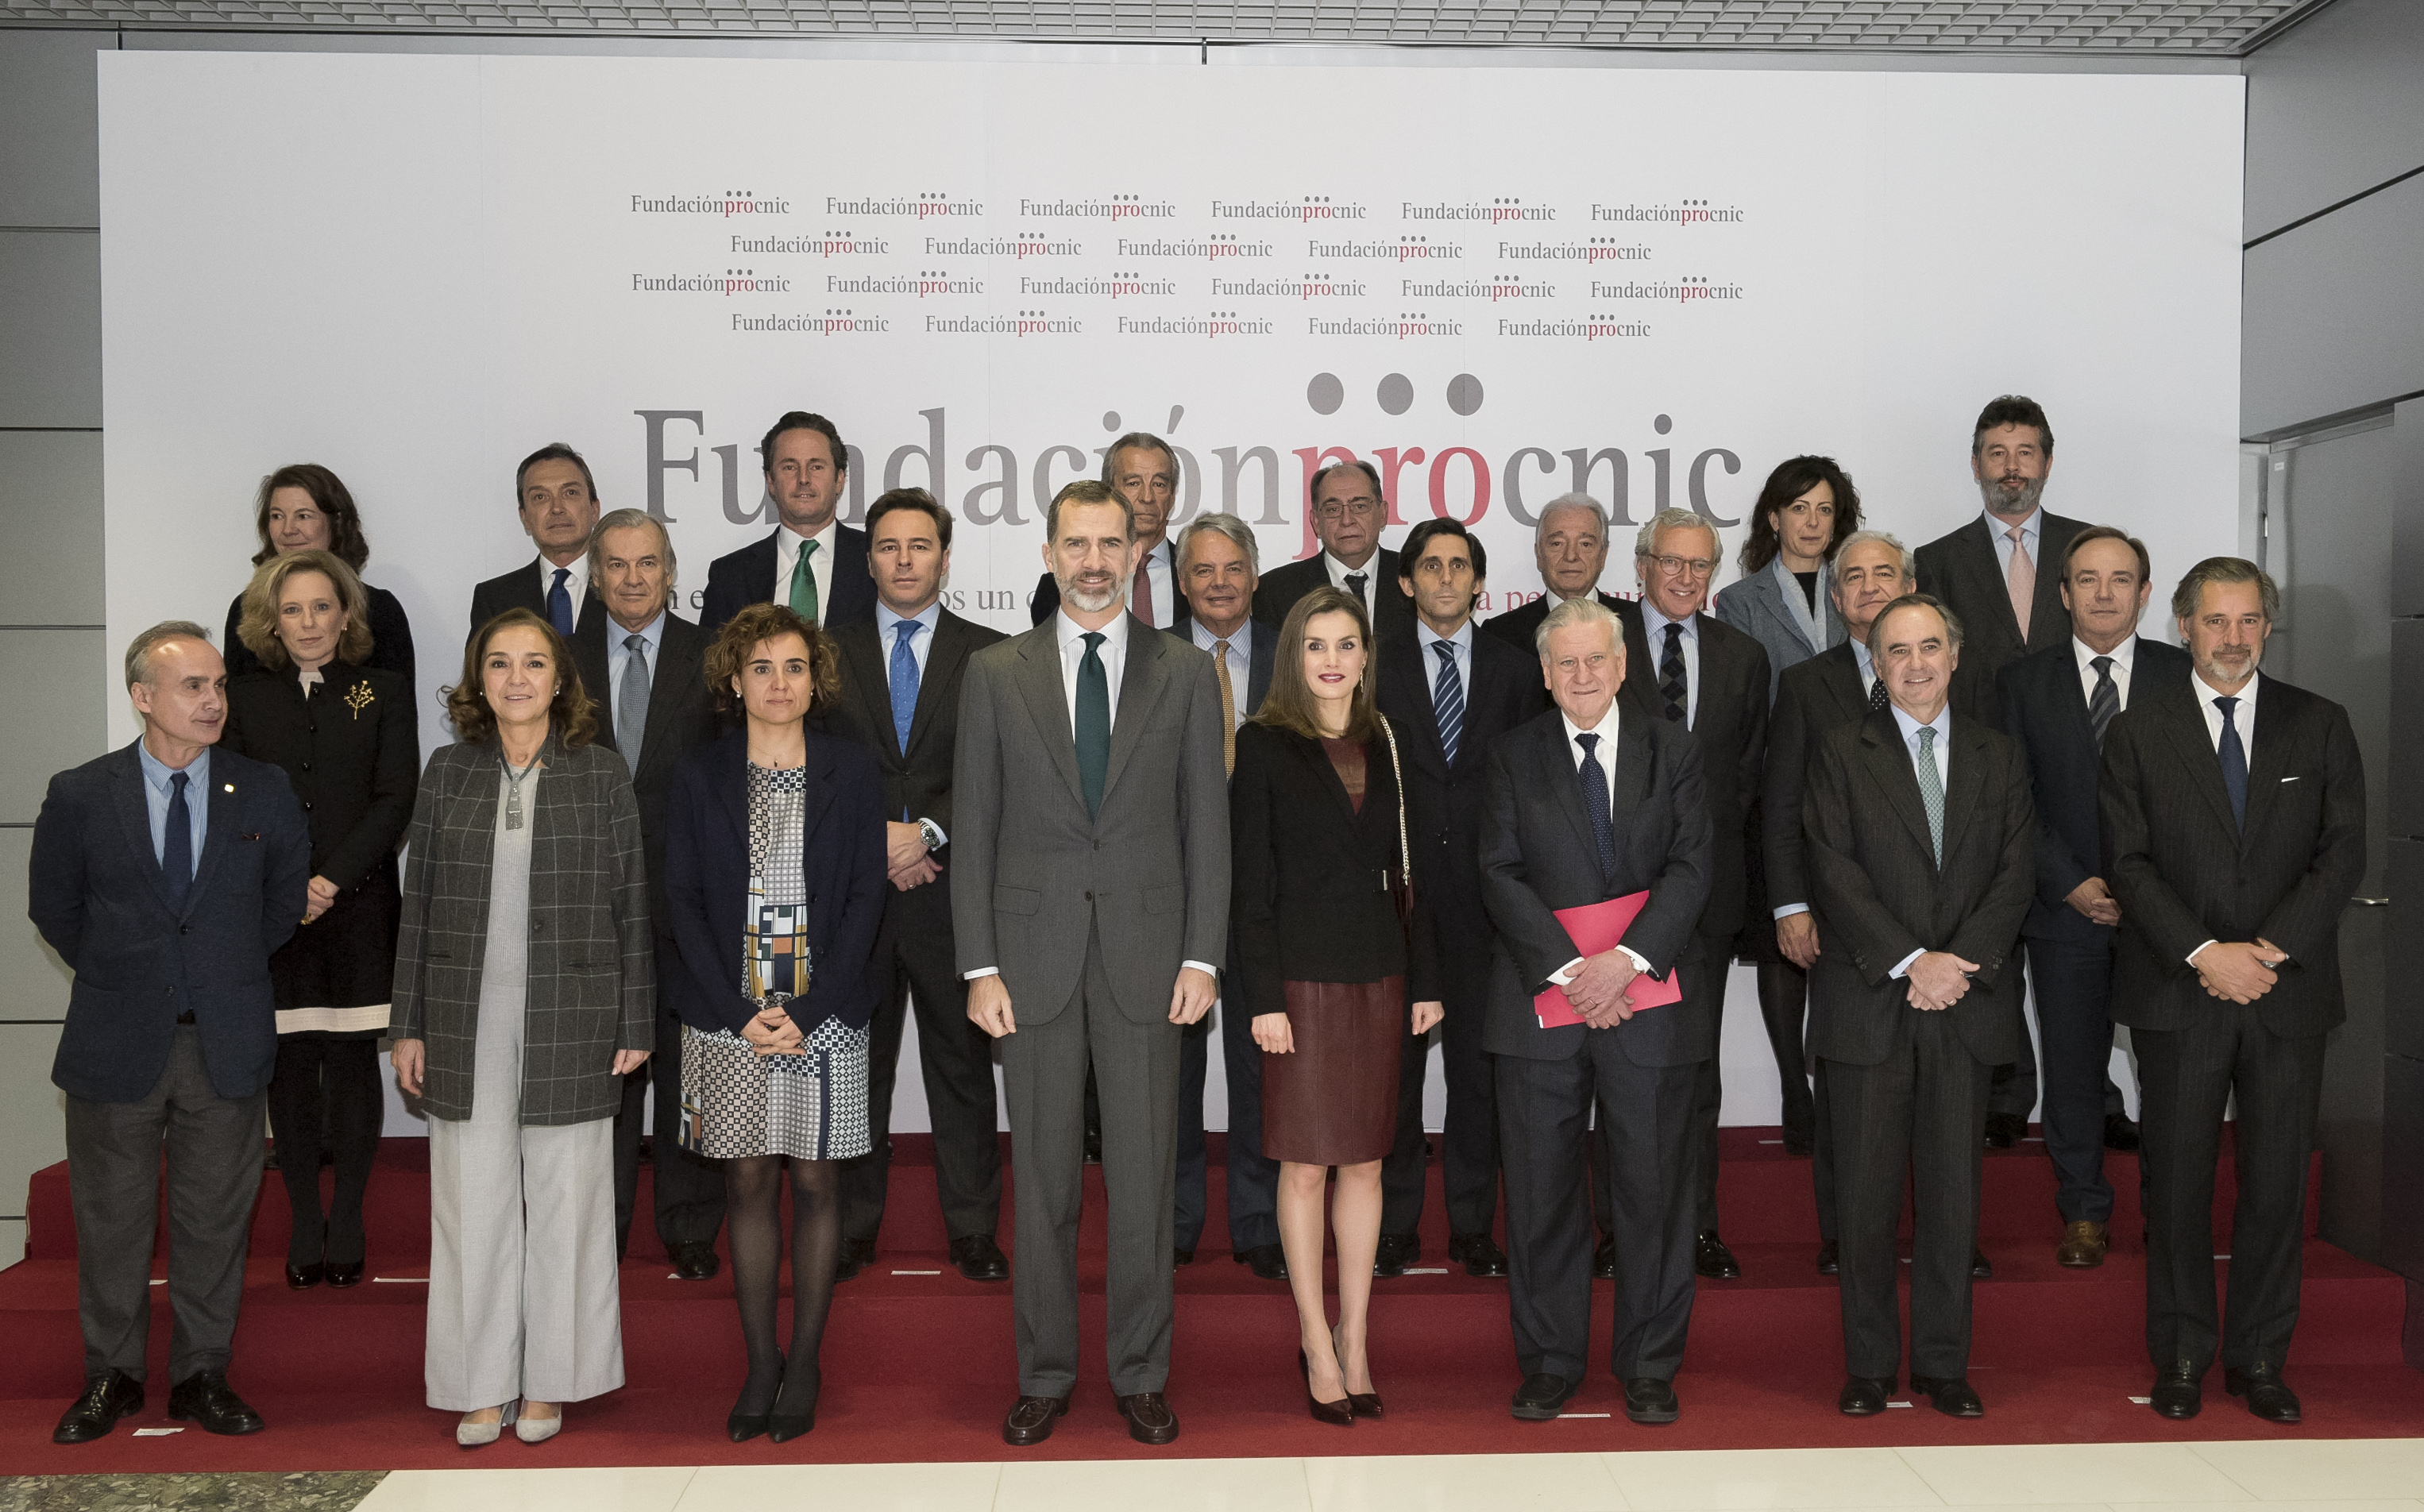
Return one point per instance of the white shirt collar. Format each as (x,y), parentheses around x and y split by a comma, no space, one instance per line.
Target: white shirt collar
(1606,732)
(1339,569)
(823,537)
(1066,631)
(2206,693)
(2031,526)
(2124,656)
(576,584)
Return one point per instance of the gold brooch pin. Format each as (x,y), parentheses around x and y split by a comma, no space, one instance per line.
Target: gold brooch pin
(360,697)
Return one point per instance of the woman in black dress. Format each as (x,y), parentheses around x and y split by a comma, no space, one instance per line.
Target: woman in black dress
(346,736)
(305,507)
(1327,954)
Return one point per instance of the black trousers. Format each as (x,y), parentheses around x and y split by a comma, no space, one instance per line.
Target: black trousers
(1470,1150)
(1918,1116)
(2074,981)
(2014,1087)
(1253,1177)
(324,1083)
(1707,986)
(1187,1208)
(2187,1077)
(1783,1000)
(688,1191)
(213,1145)
(1647,1128)
(954,1062)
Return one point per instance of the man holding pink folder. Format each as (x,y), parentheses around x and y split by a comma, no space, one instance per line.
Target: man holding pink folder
(1589,804)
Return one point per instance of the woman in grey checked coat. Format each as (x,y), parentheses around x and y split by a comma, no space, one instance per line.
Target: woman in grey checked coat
(525,989)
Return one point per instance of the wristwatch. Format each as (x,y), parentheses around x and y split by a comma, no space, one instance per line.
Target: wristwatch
(930,833)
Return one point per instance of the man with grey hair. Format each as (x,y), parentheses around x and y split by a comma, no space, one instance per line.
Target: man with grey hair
(166,874)
(1143,470)
(2233,806)
(1219,569)
(1569,548)
(643,665)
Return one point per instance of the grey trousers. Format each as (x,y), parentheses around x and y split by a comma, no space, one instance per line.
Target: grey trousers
(1044,1074)
(214,1149)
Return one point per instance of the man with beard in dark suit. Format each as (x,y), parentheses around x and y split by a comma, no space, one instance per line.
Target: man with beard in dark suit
(1919,831)
(901,694)
(2234,834)
(811,561)
(643,666)
(1143,470)
(1453,693)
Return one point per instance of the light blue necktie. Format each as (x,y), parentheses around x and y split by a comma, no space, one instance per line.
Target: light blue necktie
(905,682)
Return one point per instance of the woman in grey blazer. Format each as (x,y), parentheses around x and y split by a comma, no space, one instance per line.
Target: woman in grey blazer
(1806,509)
(525,990)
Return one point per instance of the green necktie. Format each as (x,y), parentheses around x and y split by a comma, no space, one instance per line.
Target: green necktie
(1094,724)
(803,585)
(1931,790)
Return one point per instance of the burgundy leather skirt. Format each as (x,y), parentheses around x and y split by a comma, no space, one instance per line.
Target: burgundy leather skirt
(1333,1100)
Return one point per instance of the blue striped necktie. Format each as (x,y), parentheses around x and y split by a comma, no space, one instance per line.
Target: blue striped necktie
(1448,700)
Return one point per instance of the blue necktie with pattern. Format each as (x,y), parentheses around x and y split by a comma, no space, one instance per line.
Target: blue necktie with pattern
(559,603)
(1595,803)
(1448,700)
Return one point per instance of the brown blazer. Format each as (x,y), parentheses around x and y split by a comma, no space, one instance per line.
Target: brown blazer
(593,970)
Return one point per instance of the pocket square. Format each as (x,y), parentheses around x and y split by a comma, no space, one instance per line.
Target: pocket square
(2287,780)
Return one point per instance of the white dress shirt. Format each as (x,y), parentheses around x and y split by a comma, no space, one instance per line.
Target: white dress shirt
(1940,757)
(1460,643)
(1371,570)
(820,567)
(2242,717)
(1656,624)
(1241,663)
(577,584)
(1868,674)
(2032,531)
(1606,754)
(2124,657)
(618,656)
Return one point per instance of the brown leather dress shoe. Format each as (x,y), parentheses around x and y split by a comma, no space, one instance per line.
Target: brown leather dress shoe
(2084,1245)
(1030,1420)
(1150,1419)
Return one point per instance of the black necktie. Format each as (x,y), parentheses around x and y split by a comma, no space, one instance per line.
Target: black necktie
(2234,760)
(1093,723)
(2105,701)
(559,603)
(1876,694)
(177,843)
(1595,803)
(1355,582)
(1672,685)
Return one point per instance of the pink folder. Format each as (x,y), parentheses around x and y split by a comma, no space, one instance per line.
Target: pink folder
(1595,927)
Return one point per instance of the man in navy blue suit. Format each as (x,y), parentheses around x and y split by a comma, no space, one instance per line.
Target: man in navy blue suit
(165,874)
(812,561)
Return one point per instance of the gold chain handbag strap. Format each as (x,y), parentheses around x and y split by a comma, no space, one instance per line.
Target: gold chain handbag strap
(1405,852)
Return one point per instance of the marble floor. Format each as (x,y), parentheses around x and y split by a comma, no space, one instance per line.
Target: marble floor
(2306,1475)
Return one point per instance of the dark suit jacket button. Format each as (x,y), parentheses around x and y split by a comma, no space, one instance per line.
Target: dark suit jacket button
(1090,896)
(537,926)
(306,766)
(307,805)
(184,929)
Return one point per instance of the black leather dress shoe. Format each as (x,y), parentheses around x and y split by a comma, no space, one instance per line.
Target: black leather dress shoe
(1478,1252)
(303,1277)
(206,1399)
(1981,1268)
(1949,1394)
(854,1257)
(1710,1258)
(1394,1253)
(2268,1396)
(2005,1130)
(979,1258)
(1030,1420)
(343,1274)
(1180,1257)
(2119,1132)
(1830,1260)
(1268,1261)
(1149,1418)
(1647,1399)
(2178,1393)
(1541,1398)
(693,1260)
(1603,1259)
(1863,1397)
(109,1396)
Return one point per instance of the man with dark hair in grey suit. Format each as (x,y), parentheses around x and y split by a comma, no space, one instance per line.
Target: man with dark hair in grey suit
(1090,896)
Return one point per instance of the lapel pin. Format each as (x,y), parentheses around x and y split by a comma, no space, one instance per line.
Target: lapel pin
(228,788)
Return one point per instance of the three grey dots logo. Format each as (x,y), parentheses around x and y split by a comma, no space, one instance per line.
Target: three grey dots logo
(1394,394)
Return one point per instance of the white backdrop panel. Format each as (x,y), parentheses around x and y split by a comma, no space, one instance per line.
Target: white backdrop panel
(416,269)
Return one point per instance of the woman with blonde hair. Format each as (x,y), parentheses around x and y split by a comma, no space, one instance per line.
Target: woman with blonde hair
(525,991)
(1331,952)
(346,736)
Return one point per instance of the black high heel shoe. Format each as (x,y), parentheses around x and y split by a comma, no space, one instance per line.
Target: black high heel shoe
(1341,1414)
(743,1427)
(303,1277)
(347,1274)
(1363,1403)
(781,1427)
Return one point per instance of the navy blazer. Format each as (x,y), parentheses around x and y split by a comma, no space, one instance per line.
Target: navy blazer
(2045,710)
(95,892)
(738,578)
(707,883)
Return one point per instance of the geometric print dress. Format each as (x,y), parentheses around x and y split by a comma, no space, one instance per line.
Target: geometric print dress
(736,1103)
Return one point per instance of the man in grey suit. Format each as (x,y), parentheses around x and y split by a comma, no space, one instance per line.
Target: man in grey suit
(1918,832)
(1091,899)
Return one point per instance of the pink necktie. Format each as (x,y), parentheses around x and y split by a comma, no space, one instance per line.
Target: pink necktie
(2022,579)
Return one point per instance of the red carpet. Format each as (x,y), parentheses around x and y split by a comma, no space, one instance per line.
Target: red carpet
(920,1367)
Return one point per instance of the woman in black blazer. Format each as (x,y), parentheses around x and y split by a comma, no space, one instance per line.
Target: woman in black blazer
(774,873)
(1327,966)
(305,507)
(347,738)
